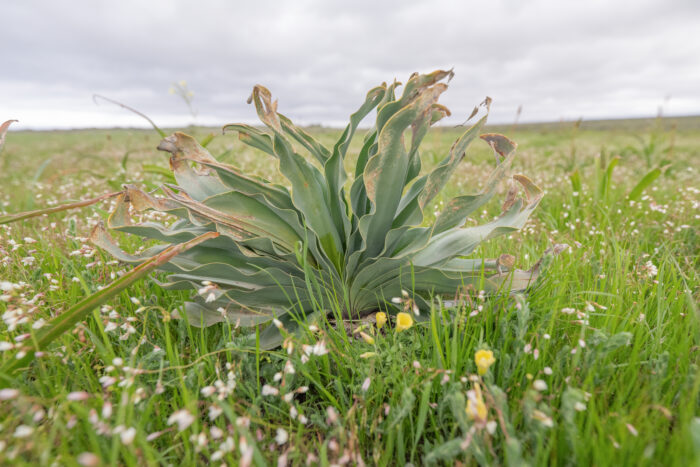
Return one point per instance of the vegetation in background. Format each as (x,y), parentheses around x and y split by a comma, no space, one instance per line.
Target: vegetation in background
(597,365)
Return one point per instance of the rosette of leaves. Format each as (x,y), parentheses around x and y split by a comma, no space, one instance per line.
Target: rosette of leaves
(326,243)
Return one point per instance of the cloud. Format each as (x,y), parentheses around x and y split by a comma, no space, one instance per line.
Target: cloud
(558,59)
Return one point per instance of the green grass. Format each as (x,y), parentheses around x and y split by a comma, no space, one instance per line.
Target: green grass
(619,363)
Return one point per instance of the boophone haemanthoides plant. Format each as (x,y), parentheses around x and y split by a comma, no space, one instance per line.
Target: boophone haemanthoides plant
(324,242)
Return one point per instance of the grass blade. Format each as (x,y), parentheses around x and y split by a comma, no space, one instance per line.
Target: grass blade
(130,109)
(575,178)
(647,180)
(604,184)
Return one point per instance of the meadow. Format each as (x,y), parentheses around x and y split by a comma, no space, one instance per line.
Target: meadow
(595,365)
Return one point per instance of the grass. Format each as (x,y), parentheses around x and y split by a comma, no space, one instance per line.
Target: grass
(595,366)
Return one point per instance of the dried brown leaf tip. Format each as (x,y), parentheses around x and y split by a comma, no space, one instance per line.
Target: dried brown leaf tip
(505,260)
(486,103)
(532,191)
(438,113)
(511,196)
(265,106)
(501,145)
(184,146)
(5,126)
(3,131)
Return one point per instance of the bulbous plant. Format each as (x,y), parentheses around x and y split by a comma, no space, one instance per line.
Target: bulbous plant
(295,253)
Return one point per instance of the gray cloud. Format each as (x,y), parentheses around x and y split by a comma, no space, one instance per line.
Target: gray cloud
(558,59)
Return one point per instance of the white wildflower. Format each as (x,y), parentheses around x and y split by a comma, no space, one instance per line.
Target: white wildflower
(282,436)
(7,394)
(365,384)
(650,269)
(127,436)
(88,459)
(317,349)
(23,431)
(183,418)
(332,415)
(107,410)
(289,368)
(246,452)
(539,385)
(107,381)
(216,432)
(78,396)
(491,427)
(214,411)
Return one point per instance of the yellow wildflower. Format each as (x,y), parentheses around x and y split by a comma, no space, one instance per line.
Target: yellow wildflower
(476,408)
(368,355)
(380,317)
(403,321)
(484,359)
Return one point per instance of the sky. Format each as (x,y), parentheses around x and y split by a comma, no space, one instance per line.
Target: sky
(558,59)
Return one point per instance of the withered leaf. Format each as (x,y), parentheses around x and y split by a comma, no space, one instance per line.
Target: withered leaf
(3,132)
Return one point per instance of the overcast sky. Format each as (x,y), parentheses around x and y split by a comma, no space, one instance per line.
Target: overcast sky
(558,59)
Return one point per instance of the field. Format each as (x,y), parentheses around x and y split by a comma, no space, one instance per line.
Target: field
(597,365)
